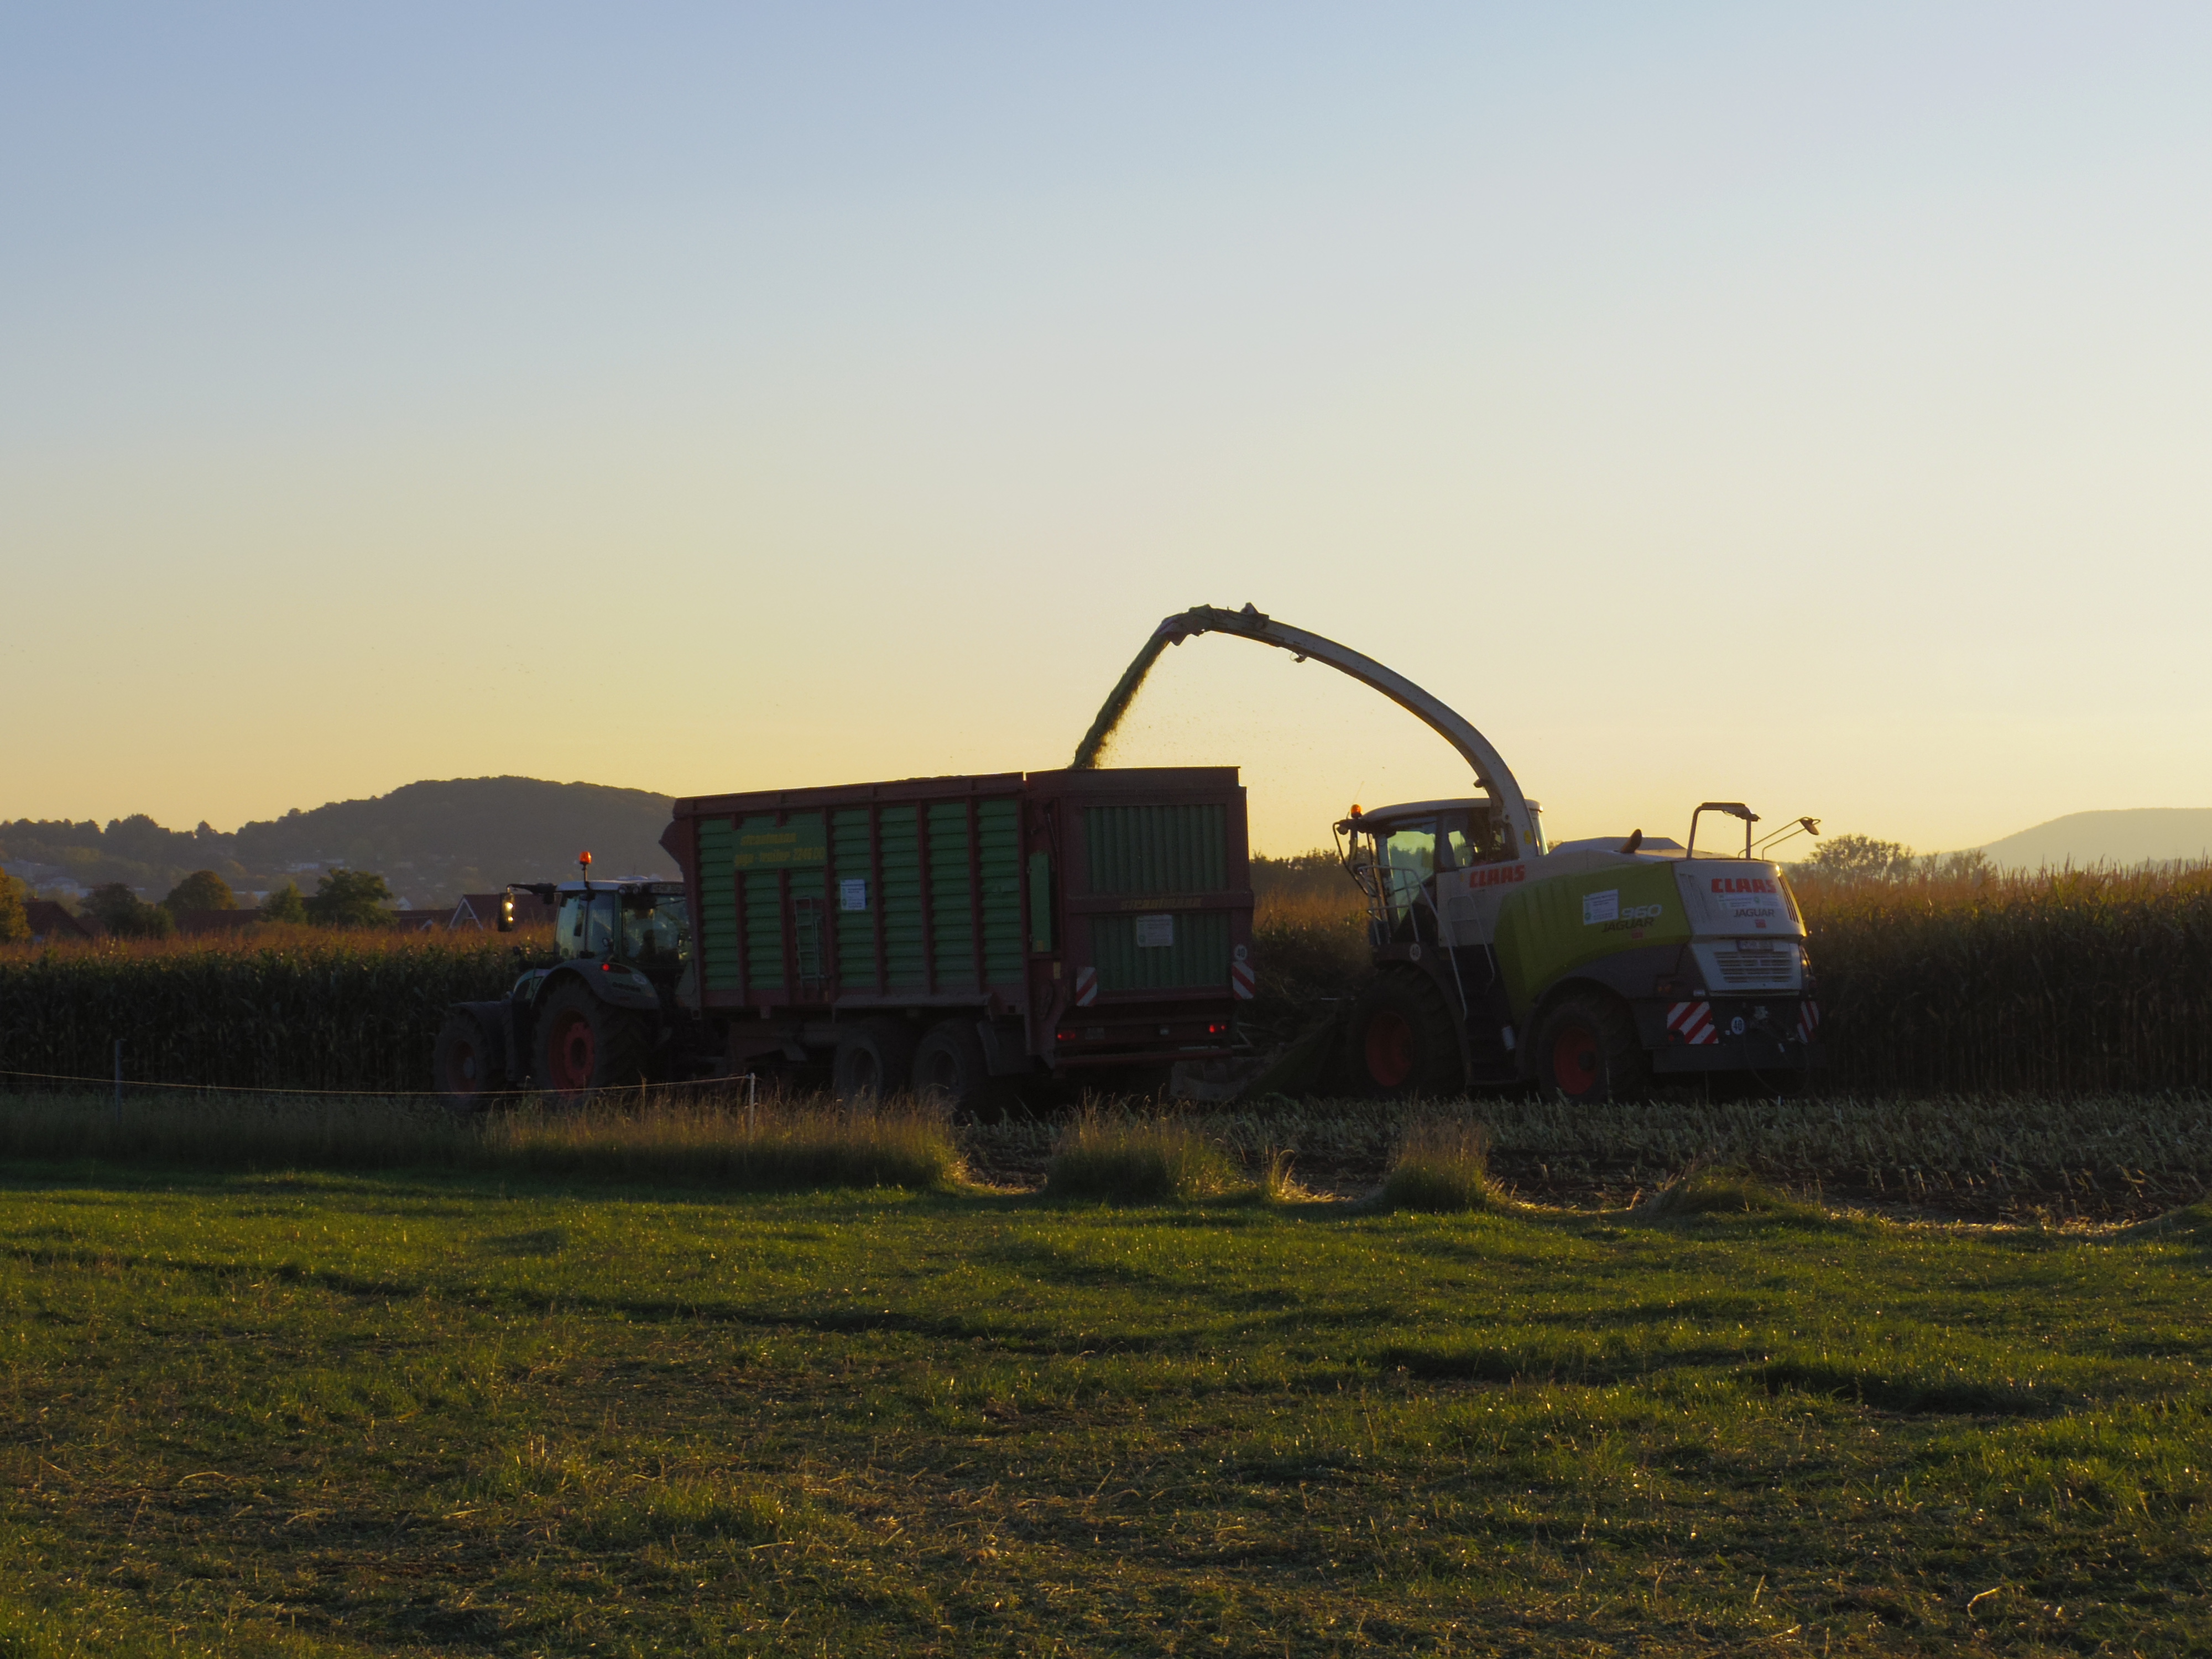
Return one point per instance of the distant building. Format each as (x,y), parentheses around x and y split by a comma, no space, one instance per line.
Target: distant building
(49,922)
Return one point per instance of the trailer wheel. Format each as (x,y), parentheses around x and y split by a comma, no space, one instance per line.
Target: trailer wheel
(874,1060)
(949,1067)
(468,1064)
(1402,1041)
(585,1045)
(1586,1051)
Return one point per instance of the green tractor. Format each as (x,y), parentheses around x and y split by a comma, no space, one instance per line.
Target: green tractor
(609,1012)
(1591,968)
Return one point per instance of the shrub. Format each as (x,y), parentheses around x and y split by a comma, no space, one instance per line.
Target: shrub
(14,920)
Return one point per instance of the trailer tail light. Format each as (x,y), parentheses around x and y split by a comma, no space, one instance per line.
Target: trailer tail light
(1216,1027)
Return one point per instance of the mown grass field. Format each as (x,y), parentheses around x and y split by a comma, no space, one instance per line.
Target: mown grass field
(479,1412)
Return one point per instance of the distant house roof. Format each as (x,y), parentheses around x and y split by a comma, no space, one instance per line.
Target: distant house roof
(481,911)
(49,921)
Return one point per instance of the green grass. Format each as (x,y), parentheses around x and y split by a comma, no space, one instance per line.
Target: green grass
(466,1413)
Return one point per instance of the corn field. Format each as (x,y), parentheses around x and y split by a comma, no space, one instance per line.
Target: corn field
(284,1008)
(2075,982)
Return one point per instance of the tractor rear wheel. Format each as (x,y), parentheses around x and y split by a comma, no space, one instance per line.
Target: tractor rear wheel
(1402,1041)
(1586,1051)
(874,1060)
(583,1045)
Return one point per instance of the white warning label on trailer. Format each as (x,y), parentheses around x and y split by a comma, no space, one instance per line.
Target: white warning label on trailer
(1155,933)
(1601,907)
(853,894)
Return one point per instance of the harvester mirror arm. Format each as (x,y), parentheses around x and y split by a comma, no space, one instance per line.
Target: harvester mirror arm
(1734,808)
(1490,771)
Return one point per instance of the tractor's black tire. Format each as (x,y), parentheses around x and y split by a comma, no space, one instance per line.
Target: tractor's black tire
(1586,1051)
(585,1045)
(951,1070)
(874,1060)
(468,1062)
(1401,1042)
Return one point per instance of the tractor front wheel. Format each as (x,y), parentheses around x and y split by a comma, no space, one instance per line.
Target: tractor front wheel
(1586,1051)
(583,1045)
(1402,1040)
(469,1062)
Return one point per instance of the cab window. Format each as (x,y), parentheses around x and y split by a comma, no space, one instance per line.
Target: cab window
(586,925)
(655,929)
(1470,838)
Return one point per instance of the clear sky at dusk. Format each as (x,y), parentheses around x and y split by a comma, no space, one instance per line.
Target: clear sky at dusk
(1810,405)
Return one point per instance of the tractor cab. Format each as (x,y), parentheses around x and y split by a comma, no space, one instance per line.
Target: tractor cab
(637,924)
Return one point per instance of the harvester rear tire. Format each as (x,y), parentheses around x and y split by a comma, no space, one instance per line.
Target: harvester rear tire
(874,1060)
(585,1045)
(1401,1042)
(468,1063)
(950,1068)
(1586,1051)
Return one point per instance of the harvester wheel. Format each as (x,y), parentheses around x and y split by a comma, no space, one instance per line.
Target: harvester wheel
(1586,1051)
(1402,1041)
(874,1060)
(468,1064)
(950,1068)
(583,1045)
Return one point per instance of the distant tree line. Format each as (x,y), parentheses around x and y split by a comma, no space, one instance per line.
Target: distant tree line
(342,898)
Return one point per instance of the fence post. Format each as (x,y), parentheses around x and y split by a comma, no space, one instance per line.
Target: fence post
(118,1087)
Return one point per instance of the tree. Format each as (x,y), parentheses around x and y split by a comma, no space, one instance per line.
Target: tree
(203,889)
(126,916)
(15,922)
(1861,858)
(284,905)
(349,898)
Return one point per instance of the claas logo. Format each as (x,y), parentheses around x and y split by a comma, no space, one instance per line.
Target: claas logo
(1743,884)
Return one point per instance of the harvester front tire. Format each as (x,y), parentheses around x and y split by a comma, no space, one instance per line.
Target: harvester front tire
(1401,1042)
(874,1060)
(1587,1052)
(950,1068)
(468,1063)
(583,1045)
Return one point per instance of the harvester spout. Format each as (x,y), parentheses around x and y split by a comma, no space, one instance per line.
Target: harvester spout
(1492,775)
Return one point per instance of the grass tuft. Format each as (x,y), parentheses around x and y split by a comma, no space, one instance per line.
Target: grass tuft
(1729,1190)
(1124,1159)
(1442,1164)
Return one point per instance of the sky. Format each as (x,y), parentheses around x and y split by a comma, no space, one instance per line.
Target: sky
(1807,406)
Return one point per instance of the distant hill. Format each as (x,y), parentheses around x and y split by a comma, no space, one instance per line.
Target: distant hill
(430,840)
(2141,835)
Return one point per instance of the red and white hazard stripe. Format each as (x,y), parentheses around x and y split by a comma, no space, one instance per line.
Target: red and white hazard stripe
(1808,1019)
(1241,980)
(1692,1022)
(1086,986)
